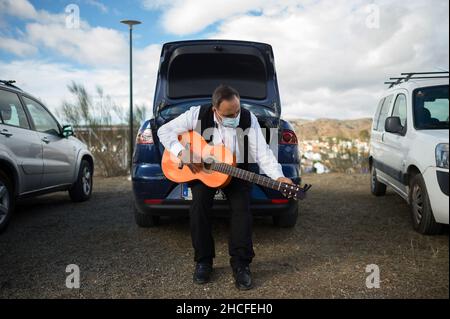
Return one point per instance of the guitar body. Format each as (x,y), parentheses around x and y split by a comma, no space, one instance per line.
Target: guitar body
(200,148)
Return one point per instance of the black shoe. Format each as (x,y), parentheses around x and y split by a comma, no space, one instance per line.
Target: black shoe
(202,273)
(243,278)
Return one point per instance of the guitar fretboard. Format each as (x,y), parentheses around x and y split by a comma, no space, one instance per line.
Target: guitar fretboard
(246,175)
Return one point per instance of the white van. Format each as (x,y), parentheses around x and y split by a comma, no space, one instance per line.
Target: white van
(409,146)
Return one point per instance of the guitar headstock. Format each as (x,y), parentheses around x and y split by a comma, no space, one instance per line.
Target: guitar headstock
(295,192)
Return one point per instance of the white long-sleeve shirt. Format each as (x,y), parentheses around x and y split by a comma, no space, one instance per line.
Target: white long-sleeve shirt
(258,148)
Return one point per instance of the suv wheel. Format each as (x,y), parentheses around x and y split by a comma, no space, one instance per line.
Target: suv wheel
(82,189)
(145,220)
(287,218)
(377,188)
(6,201)
(421,212)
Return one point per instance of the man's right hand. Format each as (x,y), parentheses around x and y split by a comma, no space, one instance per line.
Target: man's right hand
(191,160)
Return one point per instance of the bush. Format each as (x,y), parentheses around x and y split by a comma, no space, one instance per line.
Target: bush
(102,125)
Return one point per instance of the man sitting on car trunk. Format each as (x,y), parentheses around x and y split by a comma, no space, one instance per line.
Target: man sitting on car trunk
(224,116)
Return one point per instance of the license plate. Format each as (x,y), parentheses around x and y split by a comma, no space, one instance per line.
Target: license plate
(186,193)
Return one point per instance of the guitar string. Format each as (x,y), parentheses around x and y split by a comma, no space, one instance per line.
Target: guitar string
(252,177)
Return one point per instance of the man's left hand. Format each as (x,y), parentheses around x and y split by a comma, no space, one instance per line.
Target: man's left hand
(285,180)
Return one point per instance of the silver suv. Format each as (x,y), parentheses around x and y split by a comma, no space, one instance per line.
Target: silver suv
(37,154)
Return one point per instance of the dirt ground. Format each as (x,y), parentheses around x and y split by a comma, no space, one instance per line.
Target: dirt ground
(342,228)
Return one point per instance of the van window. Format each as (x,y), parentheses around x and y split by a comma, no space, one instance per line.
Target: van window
(400,108)
(11,110)
(384,113)
(377,115)
(431,108)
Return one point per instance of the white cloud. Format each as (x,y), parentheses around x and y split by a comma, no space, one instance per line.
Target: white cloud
(329,62)
(48,81)
(17,47)
(186,17)
(99,5)
(156,4)
(101,55)
(18,8)
(86,45)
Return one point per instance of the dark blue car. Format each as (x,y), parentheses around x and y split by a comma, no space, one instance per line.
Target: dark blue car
(189,71)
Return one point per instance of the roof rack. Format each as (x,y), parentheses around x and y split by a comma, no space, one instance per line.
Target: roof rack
(416,76)
(10,83)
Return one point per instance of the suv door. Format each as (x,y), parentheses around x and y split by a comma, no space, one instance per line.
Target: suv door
(59,153)
(23,144)
(396,145)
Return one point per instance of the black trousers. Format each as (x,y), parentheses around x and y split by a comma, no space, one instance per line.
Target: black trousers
(240,245)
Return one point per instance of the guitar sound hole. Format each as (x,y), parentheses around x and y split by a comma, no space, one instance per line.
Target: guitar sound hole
(207,163)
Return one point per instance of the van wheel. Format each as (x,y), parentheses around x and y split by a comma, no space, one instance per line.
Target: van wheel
(145,220)
(421,212)
(377,188)
(7,201)
(288,217)
(82,189)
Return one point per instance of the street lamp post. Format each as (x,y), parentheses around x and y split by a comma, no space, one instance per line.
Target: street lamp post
(130,24)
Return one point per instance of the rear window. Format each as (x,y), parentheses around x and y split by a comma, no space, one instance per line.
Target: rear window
(197,75)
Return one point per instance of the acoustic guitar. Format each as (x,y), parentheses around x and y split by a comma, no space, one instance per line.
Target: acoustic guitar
(219,166)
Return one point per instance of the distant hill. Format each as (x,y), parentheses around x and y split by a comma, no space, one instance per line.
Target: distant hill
(349,129)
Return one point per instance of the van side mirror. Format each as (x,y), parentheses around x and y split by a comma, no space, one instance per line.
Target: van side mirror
(393,125)
(67,131)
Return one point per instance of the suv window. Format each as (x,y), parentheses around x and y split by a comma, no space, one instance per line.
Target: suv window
(11,110)
(384,113)
(400,107)
(43,120)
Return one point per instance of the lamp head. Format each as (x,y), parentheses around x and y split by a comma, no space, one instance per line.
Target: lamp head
(131,23)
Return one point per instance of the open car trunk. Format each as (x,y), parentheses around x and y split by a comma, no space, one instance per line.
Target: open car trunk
(191,70)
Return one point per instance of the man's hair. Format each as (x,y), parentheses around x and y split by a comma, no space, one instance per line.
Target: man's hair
(223,92)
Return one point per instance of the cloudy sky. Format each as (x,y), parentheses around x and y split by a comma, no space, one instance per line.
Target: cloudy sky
(332,57)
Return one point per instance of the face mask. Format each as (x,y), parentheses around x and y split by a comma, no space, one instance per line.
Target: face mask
(231,122)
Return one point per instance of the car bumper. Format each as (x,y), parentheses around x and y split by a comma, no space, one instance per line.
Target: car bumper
(436,180)
(174,207)
(155,194)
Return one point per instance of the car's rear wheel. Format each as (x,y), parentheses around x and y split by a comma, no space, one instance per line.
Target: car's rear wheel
(288,217)
(145,220)
(421,212)
(6,201)
(377,188)
(82,189)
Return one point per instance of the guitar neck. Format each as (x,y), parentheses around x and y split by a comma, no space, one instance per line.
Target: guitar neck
(246,175)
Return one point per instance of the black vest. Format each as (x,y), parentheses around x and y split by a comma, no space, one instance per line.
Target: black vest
(206,121)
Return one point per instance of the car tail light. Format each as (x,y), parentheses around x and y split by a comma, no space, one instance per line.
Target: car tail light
(152,201)
(280,201)
(288,137)
(145,137)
